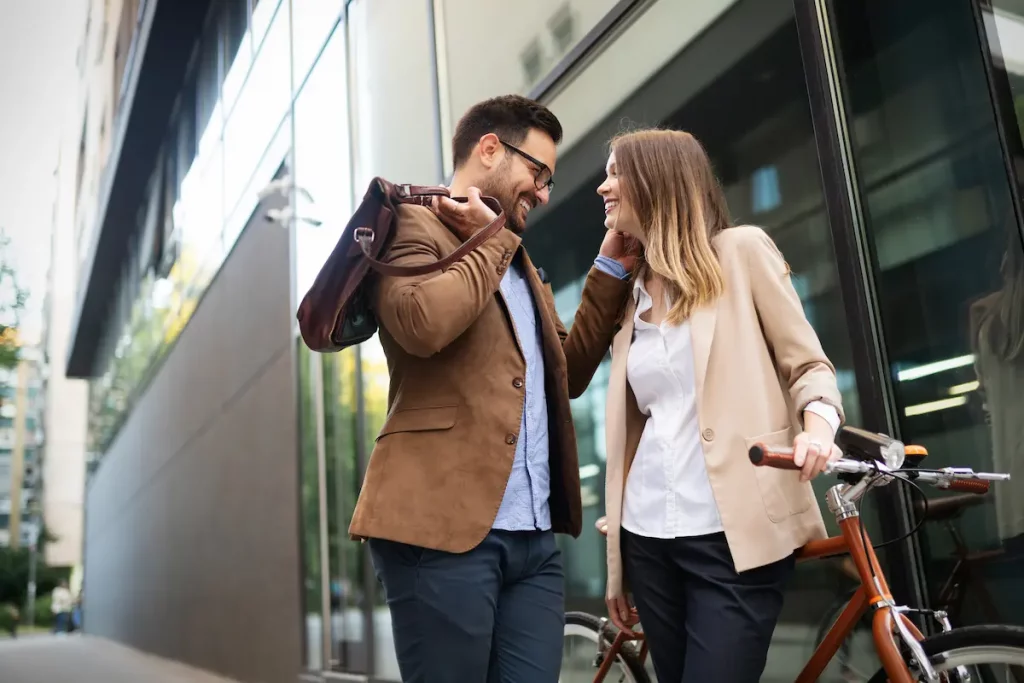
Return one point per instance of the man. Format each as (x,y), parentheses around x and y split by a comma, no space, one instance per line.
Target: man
(475,468)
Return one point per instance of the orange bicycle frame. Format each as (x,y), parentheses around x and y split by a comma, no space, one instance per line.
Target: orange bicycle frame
(873,592)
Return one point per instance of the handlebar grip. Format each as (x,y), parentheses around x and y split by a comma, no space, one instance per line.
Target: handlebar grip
(766,456)
(976,486)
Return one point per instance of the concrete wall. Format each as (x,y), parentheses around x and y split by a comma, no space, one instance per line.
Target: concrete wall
(192,544)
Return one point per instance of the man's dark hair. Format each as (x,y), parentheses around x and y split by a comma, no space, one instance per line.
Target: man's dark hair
(510,117)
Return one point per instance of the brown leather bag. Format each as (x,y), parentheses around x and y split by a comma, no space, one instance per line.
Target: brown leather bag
(337,311)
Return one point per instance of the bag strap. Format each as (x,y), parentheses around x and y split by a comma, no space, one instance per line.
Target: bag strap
(415,194)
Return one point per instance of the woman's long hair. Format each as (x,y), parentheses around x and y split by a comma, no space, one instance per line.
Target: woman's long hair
(998,320)
(667,178)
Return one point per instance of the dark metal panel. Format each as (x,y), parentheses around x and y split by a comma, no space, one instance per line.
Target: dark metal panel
(167,36)
(852,251)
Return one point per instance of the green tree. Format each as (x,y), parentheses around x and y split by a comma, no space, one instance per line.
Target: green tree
(12,303)
(14,572)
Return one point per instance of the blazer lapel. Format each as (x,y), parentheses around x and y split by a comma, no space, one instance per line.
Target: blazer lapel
(545,317)
(702,332)
(504,303)
(615,401)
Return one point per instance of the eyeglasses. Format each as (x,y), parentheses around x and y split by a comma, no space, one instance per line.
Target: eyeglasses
(543,177)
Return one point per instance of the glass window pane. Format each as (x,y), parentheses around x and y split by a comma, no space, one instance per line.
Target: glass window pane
(701,77)
(655,37)
(262,14)
(376,381)
(531,40)
(322,162)
(312,23)
(949,270)
(350,650)
(1004,25)
(395,130)
(1007,20)
(310,512)
(261,106)
(235,21)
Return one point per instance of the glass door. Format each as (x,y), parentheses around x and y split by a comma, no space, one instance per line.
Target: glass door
(926,210)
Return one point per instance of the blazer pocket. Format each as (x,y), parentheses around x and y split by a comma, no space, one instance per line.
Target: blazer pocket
(782,492)
(420,420)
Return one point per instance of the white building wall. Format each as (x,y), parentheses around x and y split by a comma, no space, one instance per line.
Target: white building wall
(85,148)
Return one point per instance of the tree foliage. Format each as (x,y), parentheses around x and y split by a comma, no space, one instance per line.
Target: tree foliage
(12,303)
(14,574)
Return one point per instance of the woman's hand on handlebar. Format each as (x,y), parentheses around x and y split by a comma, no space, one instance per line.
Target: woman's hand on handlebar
(620,611)
(814,448)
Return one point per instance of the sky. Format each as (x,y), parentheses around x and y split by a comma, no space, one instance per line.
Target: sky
(38,81)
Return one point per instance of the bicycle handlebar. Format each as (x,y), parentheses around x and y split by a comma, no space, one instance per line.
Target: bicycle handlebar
(779,458)
(961,479)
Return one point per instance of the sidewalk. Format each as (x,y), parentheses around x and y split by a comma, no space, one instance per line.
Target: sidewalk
(45,658)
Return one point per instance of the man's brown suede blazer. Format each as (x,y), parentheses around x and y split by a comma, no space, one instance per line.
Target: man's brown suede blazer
(442,460)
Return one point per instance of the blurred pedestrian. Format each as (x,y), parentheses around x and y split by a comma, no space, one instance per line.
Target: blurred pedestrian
(61,602)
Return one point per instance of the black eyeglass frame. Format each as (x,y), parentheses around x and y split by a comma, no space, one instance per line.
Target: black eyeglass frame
(542,168)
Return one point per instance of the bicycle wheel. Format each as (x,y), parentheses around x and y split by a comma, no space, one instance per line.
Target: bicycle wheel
(987,654)
(581,657)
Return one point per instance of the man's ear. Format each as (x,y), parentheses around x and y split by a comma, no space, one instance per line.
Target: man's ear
(491,150)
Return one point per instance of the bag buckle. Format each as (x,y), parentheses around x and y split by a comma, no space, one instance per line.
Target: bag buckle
(364,238)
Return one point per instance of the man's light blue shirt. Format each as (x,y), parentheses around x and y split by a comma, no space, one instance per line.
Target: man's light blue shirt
(525,504)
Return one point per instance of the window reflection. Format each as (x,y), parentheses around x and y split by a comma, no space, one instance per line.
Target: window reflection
(938,207)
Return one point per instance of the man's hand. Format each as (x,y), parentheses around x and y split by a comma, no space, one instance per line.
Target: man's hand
(622,247)
(464,218)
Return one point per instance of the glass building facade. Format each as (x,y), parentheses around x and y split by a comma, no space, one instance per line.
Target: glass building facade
(879,143)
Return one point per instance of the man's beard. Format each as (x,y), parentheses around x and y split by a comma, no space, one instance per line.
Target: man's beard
(508,198)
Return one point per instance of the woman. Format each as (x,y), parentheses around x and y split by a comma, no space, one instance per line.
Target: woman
(714,354)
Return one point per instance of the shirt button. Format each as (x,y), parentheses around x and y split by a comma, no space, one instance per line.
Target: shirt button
(517,383)
(510,439)
(709,435)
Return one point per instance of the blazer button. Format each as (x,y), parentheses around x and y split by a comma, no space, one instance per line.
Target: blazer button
(517,383)
(510,439)
(709,435)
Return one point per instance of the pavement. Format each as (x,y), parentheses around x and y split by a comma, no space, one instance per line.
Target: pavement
(87,659)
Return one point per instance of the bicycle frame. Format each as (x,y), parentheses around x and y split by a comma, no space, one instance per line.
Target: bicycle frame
(615,648)
(873,592)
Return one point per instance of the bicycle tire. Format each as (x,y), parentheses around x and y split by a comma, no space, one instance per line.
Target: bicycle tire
(589,626)
(959,642)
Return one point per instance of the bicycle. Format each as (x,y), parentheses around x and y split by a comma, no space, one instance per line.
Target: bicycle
(954,655)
